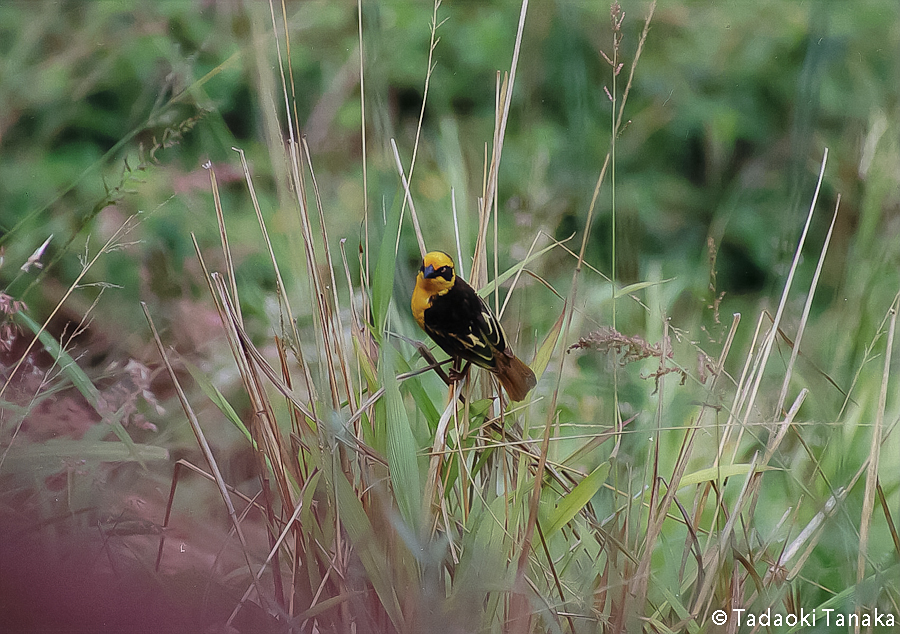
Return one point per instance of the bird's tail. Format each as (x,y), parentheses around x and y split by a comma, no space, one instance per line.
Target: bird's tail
(515,377)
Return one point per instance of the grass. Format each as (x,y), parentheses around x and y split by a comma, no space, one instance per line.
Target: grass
(653,478)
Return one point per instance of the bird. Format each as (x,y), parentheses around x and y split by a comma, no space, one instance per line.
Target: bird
(462,324)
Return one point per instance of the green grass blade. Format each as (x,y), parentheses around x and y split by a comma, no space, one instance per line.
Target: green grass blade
(402,451)
(79,379)
(717,473)
(545,352)
(576,499)
(368,547)
(638,286)
(54,454)
(488,288)
(385,269)
(424,402)
(218,399)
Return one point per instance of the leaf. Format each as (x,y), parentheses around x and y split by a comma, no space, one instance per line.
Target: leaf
(80,380)
(673,600)
(488,288)
(637,286)
(717,473)
(482,564)
(218,399)
(365,363)
(422,399)
(545,352)
(401,450)
(66,363)
(368,547)
(385,269)
(576,499)
(55,453)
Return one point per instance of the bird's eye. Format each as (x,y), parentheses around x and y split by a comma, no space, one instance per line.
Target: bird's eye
(446,272)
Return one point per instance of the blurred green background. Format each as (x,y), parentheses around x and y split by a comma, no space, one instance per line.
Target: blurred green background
(110,109)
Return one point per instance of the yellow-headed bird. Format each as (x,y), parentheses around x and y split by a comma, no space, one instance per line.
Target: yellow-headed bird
(459,321)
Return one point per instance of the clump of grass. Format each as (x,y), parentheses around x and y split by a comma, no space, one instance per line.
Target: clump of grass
(388,505)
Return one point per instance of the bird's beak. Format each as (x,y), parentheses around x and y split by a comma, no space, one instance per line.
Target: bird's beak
(427,271)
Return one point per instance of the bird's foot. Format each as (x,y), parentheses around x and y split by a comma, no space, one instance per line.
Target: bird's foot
(457,375)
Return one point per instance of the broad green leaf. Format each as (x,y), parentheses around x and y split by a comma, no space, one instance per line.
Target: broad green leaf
(718,473)
(424,401)
(576,499)
(401,450)
(672,600)
(367,546)
(484,456)
(385,269)
(483,540)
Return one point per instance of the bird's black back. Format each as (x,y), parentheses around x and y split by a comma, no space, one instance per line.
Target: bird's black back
(463,326)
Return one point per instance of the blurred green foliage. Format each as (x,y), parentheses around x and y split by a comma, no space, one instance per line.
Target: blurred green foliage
(730,110)
(110,108)
(107,109)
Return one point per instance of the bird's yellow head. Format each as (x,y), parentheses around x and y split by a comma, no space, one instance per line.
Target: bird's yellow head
(436,277)
(436,274)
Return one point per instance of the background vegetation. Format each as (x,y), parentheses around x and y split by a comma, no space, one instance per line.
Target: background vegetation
(111,116)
